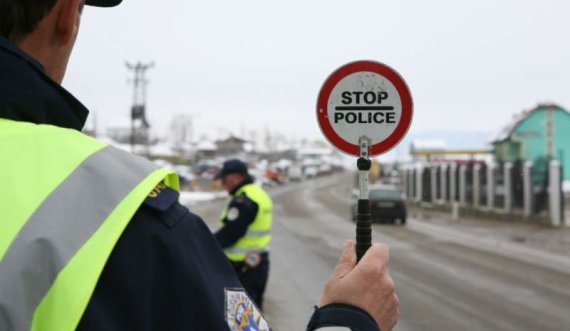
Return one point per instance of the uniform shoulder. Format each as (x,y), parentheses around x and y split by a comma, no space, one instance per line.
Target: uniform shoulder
(259,194)
(161,197)
(162,202)
(242,200)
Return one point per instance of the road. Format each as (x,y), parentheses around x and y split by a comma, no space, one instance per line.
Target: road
(442,284)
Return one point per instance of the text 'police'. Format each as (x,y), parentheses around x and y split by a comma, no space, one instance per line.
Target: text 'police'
(364,107)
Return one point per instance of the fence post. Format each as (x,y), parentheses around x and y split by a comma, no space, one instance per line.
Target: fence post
(433,183)
(491,186)
(410,183)
(527,188)
(476,185)
(508,187)
(419,182)
(554,193)
(462,184)
(443,177)
(405,181)
(452,182)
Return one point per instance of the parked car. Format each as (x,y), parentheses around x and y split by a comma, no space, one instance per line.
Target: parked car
(386,205)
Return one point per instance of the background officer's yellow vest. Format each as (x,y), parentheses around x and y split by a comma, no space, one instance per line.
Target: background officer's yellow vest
(257,237)
(65,199)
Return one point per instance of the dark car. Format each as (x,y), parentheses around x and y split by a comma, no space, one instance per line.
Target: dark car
(386,205)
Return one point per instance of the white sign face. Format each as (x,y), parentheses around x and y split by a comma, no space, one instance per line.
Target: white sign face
(364,100)
(364,104)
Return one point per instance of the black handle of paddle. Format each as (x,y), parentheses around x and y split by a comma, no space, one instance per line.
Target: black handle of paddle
(363,228)
(363,224)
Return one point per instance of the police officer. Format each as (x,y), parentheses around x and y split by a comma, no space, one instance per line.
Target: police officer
(92,238)
(245,228)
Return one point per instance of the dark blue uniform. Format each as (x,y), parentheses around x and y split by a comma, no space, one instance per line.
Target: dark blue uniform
(253,276)
(236,228)
(167,271)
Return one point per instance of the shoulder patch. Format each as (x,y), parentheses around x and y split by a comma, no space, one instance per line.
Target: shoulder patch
(233,214)
(241,313)
(240,198)
(161,197)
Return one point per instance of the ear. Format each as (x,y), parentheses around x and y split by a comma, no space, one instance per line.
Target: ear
(68,20)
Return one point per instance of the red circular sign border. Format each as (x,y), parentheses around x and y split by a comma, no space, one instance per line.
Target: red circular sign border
(378,68)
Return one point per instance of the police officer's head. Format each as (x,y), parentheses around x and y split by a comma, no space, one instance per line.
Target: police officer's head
(233,173)
(45,29)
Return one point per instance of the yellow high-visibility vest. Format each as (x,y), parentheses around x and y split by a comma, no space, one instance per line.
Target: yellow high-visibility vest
(258,236)
(65,200)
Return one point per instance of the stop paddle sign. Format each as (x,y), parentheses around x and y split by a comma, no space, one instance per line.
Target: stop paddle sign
(364,99)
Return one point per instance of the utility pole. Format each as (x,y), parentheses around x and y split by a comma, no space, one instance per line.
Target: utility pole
(138,109)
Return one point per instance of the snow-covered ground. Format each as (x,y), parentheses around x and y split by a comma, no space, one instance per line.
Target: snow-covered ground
(192,198)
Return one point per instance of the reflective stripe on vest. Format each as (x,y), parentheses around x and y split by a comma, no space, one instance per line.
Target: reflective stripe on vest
(237,250)
(257,233)
(257,237)
(54,247)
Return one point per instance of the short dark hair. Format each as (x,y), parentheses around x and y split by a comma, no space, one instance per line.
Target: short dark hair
(19,18)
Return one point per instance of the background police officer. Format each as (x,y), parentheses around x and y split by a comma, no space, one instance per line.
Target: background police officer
(245,228)
(81,250)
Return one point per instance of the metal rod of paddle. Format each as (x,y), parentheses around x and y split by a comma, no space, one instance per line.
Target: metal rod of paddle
(363,224)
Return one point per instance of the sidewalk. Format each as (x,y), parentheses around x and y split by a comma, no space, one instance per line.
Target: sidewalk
(526,240)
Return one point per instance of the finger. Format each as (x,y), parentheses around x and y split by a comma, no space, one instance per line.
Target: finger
(394,315)
(377,256)
(346,261)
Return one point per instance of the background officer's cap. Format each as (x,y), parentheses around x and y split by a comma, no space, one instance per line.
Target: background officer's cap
(233,166)
(103,3)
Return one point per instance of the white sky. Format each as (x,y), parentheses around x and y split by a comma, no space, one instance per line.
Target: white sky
(259,64)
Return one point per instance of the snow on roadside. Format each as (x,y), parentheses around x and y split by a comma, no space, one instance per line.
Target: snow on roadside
(192,198)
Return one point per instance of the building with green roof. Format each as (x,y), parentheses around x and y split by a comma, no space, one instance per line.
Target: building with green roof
(537,135)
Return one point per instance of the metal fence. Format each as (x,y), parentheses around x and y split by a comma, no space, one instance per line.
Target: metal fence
(521,188)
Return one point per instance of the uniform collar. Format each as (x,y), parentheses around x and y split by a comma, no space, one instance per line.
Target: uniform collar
(29,94)
(246,181)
